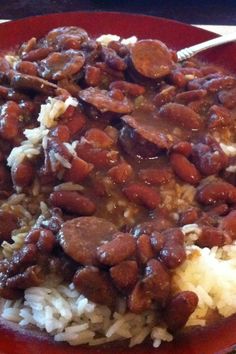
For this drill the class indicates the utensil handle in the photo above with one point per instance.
(191, 51)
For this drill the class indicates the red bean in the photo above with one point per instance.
(46, 241)
(210, 237)
(216, 191)
(111, 58)
(122, 246)
(178, 78)
(32, 276)
(98, 138)
(72, 202)
(183, 148)
(179, 308)
(26, 67)
(23, 173)
(124, 275)
(219, 83)
(121, 172)
(189, 216)
(166, 95)
(228, 224)
(9, 120)
(139, 300)
(96, 285)
(219, 117)
(181, 115)
(228, 98)
(128, 88)
(79, 170)
(157, 241)
(185, 169)
(144, 248)
(8, 223)
(156, 281)
(155, 176)
(37, 54)
(93, 75)
(141, 194)
(173, 252)
(189, 96)
(61, 132)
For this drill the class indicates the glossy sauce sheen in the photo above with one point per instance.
(145, 163)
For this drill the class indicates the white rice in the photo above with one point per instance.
(70, 317)
(105, 39)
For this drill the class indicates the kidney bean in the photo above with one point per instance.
(219, 83)
(122, 246)
(46, 241)
(121, 172)
(10, 294)
(183, 148)
(216, 191)
(221, 209)
(26, 67)
(156, 281)
(5, 177)
(128, 88)
(189, 216)
(79, 170)
(121, 49)
(209, 158)
(141, 194)
(72, 202)
(74, 121)
(93, 75)
(23, 258)
(228, 98)
(124, 275)
(81, 236)
(164, 96)
(100, 158)
(179, 308)
(228, 224)
(32, 236)
(157, 241)
(116, 94)
(9, 120)
(32, 276)
(36, 54)
(155, 176)
(151, 58)
(173, 252)
(184, 169)
(61, 132)
(111, 58)
(189, 96)
(210, 237)
(98, 138)
(219, 117)
(8, 223)
(144, 248)
(148, 227)
(181, 115)
(177, 78)
(23, 173)
(95, 285)
(4, 65)
(139, 300)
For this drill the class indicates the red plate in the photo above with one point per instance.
(216, 339)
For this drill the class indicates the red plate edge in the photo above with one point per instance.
(177, 35)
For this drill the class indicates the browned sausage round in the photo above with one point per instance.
(96, 285)
(117, 250)
(104, 102)
(80, 238)
(151, 58)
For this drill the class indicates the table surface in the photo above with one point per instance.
(190, 11)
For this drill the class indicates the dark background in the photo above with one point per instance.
(189, 11)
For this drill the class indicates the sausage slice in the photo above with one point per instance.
(149, 130)
(80, 238)
(104, 102)
(151, 58)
